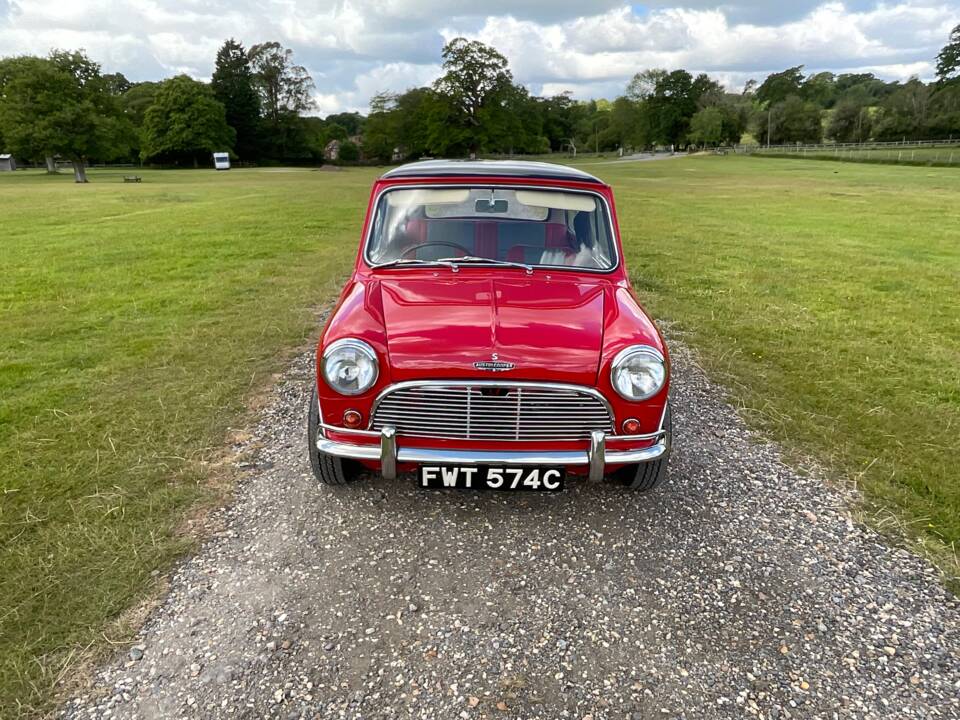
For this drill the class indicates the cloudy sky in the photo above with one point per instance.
(354, 48)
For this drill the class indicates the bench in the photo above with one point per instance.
(131, 178)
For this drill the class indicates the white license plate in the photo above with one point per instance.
(491, 477)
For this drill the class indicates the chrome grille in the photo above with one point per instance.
(493, 411)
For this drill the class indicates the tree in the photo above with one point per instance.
(851, 122)
(820, 89)
(349, 152)
(704, 87)
(134, 104)
(862, 88)
(794, 120)
(185, 123)
(135, 101)
(352, 122)
(285, 90)
(316, 136)
(643, 84)
(415, 111)
(706, 127)
(512, 125)
(233, 85)
(948, 61)
(9, 70)
(626, 127)
(381, 133)
(560, 116)
(671, 106)
(778, 86)
(904, 114)
(116, 83)
(60, 105)
(592, 126)
(474, 85)
(944, 118)
(721, 122)
(335, 131)
(284, 87)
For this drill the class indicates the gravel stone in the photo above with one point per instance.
(742, 589)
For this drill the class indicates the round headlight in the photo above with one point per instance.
(638, 372)
(350, 366)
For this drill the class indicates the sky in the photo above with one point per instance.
(356, 48)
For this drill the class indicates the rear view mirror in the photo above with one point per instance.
(491, 206)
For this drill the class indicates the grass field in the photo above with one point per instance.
(828, 298)
(136, 319)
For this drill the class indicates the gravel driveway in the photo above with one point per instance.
(742, 589)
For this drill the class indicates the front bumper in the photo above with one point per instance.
(389, 453)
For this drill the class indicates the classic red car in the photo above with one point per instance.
(489, 337)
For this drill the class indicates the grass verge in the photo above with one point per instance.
(135, 321)
(827, 297)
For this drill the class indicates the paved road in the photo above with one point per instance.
(742, 589)
(638, 157)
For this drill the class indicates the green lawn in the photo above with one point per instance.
(136, 319)
(827, 297)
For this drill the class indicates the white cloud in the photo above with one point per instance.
(392, 76)
(355, 48)
(589, 53)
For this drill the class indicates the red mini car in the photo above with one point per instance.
(488, 337)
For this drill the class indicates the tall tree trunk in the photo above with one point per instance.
(51, 165)
(79, 171)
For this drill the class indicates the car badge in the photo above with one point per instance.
(494, 364)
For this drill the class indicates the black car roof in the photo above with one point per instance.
(492, 168)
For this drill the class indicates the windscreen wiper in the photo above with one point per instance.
(466, 259)
(399, 262)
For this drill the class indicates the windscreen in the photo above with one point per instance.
(531, 226)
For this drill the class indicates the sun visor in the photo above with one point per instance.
(557, 200)
(426, 196)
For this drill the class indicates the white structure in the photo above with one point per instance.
(221, 161)
(7, 163)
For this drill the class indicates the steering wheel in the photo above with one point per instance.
(440, 243)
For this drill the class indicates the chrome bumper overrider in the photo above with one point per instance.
(389, 453)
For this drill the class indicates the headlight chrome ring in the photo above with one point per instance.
(350, 366)
(638, 372)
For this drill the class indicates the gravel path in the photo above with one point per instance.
(742, 589)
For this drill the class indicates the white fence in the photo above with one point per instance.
(916, 152)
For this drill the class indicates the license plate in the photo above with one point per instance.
(491, 477)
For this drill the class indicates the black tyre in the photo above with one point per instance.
(644, 477)
(328, 469)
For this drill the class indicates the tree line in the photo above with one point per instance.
(476, 107)
(259, 100)
(63, 106)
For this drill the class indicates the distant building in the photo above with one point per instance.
(332, 150)
(7, 163)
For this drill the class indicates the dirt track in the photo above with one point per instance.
(741, 589)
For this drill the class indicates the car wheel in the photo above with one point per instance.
(644, 477)
(328, 469)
